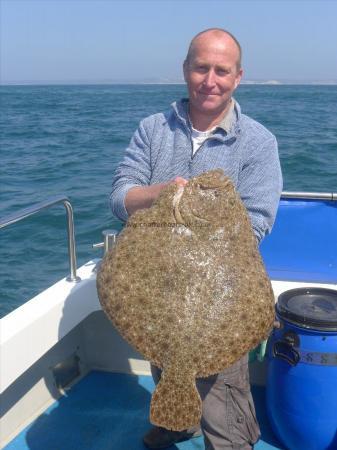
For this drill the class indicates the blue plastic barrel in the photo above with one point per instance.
(302, 370)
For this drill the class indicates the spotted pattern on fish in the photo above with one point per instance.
(185, 285)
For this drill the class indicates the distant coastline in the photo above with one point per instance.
(161, 82)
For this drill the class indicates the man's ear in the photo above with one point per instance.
(185, 70)
(238, 78)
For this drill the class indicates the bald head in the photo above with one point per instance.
(216, 34)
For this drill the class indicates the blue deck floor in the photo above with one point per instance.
(110, 411)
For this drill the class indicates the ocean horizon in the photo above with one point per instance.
(272, 82)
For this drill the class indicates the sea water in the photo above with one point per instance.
(69, 139)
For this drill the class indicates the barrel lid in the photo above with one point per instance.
(314, 308)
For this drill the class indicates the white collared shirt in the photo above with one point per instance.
(199, 137)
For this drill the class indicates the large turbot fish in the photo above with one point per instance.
(186, 287)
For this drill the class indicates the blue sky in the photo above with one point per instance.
(108, 40)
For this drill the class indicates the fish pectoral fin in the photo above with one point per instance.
(176, 403)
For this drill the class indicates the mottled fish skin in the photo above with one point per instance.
(185, 285)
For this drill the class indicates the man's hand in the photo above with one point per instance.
(179, 181)
(140, 197)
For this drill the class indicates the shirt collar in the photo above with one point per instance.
(230, 120)
(227, 121)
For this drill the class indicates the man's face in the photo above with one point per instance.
(211, 74)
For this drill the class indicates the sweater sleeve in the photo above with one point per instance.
(260, 186)
(133, 170)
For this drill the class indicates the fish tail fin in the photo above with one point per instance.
(176, 403)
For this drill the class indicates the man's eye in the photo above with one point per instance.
(222, 72)
(202, 68)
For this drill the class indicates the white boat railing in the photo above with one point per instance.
(332, 196)
(27, 212)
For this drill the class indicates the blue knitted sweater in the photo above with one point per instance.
(161, 149)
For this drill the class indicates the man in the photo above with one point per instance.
(205, 132)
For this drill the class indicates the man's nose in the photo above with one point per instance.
(209, 79)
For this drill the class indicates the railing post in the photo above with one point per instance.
(71, 243)
(26, 212)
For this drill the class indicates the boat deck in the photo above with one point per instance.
(110, 411)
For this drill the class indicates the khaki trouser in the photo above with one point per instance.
(228, 414)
